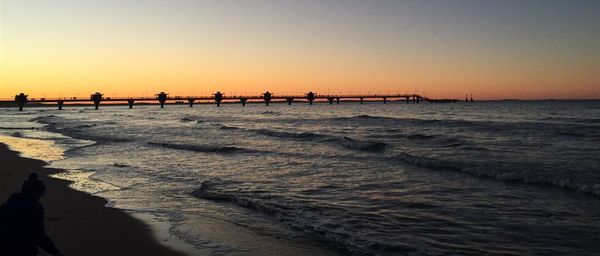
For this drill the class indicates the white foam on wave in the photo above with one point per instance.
(83, 181)
(45, 150)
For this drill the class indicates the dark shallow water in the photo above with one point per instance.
(498, 178)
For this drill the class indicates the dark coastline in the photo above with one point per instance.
(77, 222)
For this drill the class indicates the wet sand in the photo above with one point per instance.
(77, 222)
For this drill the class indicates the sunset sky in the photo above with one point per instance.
(444, 49)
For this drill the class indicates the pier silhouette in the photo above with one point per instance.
(218, 98)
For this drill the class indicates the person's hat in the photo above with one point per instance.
(33, 184)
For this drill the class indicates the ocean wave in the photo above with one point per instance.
(572, 134)
(362, 145)
(474, 148)
(119, 165)
(225, 127)
(299, 217)
(572, 119)
(270, 113)
(204, 148)
(369, 117)
(433, 140)
(99, 138)
(75, 129)
(187, 119)
(430, 163)
(346, 142)
(479, 125)
(530, 173)
(84, 126)
(282, 134)
(17, 128)
(43, 119)
(419, 136)
(591, 135)
(527, 173)
(25, 136)
(78, 134)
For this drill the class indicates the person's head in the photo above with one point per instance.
(33, 186)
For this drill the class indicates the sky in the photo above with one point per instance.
(497, 49)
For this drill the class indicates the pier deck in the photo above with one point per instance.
(97, 98)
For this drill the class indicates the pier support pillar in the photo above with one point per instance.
(267, 97)
(310, 96)
(289, 100)
(191, 101)
(418, 99)
(384, 100)
(407, 99)
(330, 99)
(96, 98)
(337, 100)
(218, 98)
(361, 100)
(243, 100)
(162, 98)
(60, 104)
(21, 99)
(130, 102)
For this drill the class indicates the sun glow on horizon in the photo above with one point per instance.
(443, 49)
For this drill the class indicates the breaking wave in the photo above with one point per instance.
(76, 130)
(522, 172)
(354, 144)
(281, 134)
(17, 128)
(270, 113)
(346, 142)
(225, 127)
(204, 148)
(187, 119)
(342, 236)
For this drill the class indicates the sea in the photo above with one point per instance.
(482, 178)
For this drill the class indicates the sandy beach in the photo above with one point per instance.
(77, 222)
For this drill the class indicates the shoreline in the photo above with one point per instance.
(19, 156)
(77, 222)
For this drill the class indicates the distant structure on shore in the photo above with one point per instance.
(217, 98)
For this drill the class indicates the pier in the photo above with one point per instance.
(218, 98)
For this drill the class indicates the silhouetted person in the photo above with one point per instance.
(22, 221)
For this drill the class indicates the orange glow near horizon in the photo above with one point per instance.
(139, 50)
